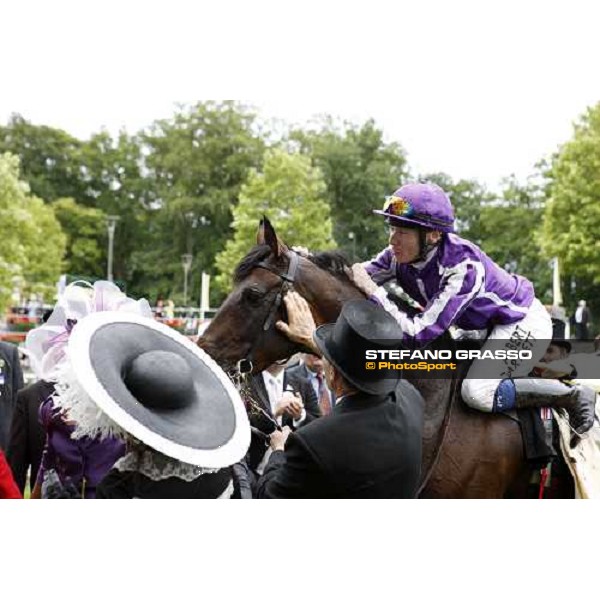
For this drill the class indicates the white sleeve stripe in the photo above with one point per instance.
(499, 302)
(431, 315)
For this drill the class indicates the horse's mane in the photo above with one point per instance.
(332, 261)
(250, 261)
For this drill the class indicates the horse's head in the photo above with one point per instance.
(244, 327)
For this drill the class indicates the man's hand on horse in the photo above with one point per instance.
(301, 325)
(361, 279)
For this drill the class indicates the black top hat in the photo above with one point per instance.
(361, 326)
(157, 386)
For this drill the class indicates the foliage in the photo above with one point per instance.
(197, 162)
(116, 185)
(31, 241)
(511, 234)
(50, 158)
(291, 193)
(359, 171)
(468, 198)
(572, 216)
(85, 228)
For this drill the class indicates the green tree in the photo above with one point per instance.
(291, 193)
(468, 197)
(511, 234)
(85, 229)
(197, 161)
(360, 169)
(117, 184)
(31, 241)
(50, 158)
(572, 216)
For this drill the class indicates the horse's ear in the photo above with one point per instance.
(260, 234)
(270, 238)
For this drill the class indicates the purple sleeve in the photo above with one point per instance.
(382, 268)
(459, 286)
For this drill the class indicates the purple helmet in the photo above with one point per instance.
(422, 204)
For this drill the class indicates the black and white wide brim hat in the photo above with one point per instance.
(128, 375)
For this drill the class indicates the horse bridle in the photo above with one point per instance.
(245, 365)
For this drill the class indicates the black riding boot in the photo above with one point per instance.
(579, 401)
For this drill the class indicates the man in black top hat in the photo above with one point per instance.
(370, 445)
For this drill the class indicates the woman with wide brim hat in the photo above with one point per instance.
(69, 467)
(181, 417)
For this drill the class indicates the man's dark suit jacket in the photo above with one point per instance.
(27, 436)
(368, 447)
(258, 447)
(301, 373)
(11, 381)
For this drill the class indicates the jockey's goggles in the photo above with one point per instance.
(398, 207)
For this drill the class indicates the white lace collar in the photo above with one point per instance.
(156, 466)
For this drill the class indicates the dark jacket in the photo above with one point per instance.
(299, 373)
(369, 447)
(121, 485)
(258, 446)
(27, 436)
(11, 381)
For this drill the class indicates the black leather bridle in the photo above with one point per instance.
(245, 365)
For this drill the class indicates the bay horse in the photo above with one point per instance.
(466, 453)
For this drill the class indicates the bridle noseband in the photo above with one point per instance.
(245, 365)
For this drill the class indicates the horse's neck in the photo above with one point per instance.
(324, 292)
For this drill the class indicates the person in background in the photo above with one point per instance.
(581, 319)
(27, 436)
(282, 401)
(11, 381)
(8, 487)
(311, 370)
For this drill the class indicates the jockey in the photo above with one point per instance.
(458, 284)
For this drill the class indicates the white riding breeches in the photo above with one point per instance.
(533, 332)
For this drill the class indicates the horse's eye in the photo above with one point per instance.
(252, 295)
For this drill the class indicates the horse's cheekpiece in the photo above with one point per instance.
(245, 365)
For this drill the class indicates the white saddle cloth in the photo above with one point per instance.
(583, 460)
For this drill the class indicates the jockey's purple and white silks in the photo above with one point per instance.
(458, 284)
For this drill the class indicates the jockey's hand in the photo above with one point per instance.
(278, 438)
(301, 250)
(361, 279)
(301, 325)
